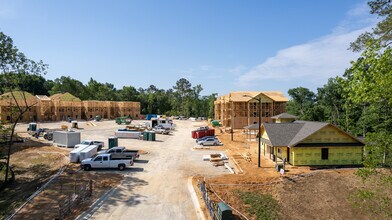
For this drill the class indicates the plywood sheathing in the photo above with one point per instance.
(243, 109)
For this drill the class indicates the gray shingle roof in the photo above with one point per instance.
(281, 134)
(252, 127)
(290, 134)
(284, 115)
(309, 128)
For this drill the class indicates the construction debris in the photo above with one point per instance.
(200, 147)
(220, 163)
(246, 156)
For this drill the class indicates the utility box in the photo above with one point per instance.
(32, 126)
(66, 138)
(223, 211)
(113, 142)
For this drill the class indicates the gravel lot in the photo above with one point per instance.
(156, 186)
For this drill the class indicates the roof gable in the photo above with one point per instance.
(65, 97)
(19, 95)
(291, 134)
(283, 133)
(246, 96)
(330, 134)
(284, 116)
(309, 127)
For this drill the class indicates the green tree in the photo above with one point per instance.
(330, 99)
(67, 84)
(34, 84)
(382, 33)
(100, 91)
(301, 102)
(128, 93)
(182, 91)
(14, 67)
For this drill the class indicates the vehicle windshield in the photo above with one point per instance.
(85, 142)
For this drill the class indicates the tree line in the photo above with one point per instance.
(182, 99)
(360, 102)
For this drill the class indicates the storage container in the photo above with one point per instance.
(66, 138)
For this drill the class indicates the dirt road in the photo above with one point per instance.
(156, 187)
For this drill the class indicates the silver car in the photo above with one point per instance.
(209, 142)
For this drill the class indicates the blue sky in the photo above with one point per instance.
(224, 45)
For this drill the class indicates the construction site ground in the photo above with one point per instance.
(301, 192)
(156, 187)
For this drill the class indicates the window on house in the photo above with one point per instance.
(324, 153)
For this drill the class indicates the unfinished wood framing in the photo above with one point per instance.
(243, 108)
(60, 107)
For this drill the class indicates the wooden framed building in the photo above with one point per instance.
(62, 106)
(240, 109)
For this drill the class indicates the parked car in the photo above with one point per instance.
(203, 138)
(121, 152)
(106, 161)
(37, 133)
(159, 129)
(209, 142)
(202, 128)
(100, 144)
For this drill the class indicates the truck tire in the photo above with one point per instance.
(121, 167)
(87, 167)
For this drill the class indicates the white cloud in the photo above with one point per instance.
(316, 60)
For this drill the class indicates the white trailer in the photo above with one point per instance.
(66, 138)
(128, 134)
(88, 152)
(75, 154)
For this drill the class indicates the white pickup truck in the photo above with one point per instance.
(86, 143)
(159, 129)
(121, 152)
(106, 161)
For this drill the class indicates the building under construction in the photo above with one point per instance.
(60, 107)
(239, 109)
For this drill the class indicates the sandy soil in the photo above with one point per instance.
(156, 188)
(157, 181)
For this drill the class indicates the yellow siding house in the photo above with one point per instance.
(310, 143)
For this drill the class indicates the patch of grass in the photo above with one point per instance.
(261, 205)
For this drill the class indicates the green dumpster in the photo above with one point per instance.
(223, 211)
(113, 142)
(151, 136)
(145, 136)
